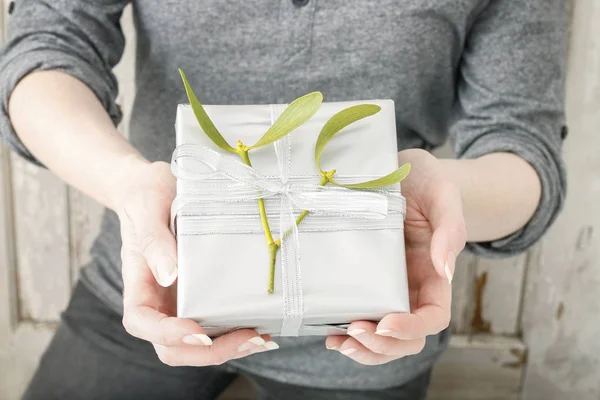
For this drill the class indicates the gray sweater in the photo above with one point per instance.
(486, 74)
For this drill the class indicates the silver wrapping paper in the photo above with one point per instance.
(347, 275)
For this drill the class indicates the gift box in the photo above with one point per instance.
(344, 262)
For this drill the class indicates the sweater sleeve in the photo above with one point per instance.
(82, 38)
(510, 99)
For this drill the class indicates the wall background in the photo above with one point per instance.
(525, 327)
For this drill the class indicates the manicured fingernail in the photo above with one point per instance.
(349, 351)
(383, 332)
(356, 332)
(271, 345)
(251, 343)
(257, 340)
(197, 339)
(332, 348)
(167, 273)
(449, 267)
(361, 335)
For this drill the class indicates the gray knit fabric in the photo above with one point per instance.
(488, 74)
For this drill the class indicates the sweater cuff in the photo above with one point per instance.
(19, 66)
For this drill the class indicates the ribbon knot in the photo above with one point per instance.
(283, 190)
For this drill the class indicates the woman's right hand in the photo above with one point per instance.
(149, 257)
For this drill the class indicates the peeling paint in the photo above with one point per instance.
(478, 324)
(521, 359)
(560, 310)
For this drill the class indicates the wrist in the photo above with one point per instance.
(128, 168)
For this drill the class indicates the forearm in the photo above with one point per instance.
(62, 123)
(500, 192)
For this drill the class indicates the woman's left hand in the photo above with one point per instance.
(434, 235)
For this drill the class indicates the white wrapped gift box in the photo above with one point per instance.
(349, 268)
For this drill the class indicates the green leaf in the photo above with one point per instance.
(338, 122)
(205, 123)
(297, 113)
(397, 176)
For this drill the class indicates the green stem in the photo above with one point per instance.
(243, 152)
(273, 257)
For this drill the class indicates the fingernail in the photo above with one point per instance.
(197, 339)
(332, 348)
(271, 345)
(257, 340)
(361, 335)
(449, 267)
(167, 273)
(250, 343)
(349, 351)
(383, 332)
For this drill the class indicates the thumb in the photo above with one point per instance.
(445, 215)
(155, 241)
(160, 251)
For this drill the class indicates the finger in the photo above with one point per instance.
(429, 319)
(140, 287)
(150, 221)
(445, 214)
(334, 342)
(355, 350)
(237, 344)
(364, 333)
(145, 307)
(151, 325)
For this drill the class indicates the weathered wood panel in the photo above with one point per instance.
(8, 309)
(7, 295)
(462, 293)
(42, 241)
(561, 320)
(19, 357)
(497, 295)
(481, 367)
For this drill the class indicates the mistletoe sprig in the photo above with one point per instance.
(295, 115)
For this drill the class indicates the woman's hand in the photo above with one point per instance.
(149, 257)
(434, 235)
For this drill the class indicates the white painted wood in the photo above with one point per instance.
(42, 241)
(561, 318)
(7, 294)
(500, 297)
(482, 368)
(19, 357)
(8, 297)
(125, 70)
(462, 293)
